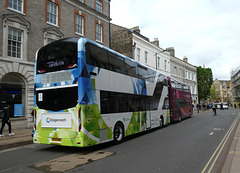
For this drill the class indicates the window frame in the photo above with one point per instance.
(16, 30)
(99, 23)
(139, 54)
(98, 7)
(82, 1)
(146, 56)
(158, 62)
(23, 9)
(58, 16)
(165, 65)
(83, 16)
(17, 22)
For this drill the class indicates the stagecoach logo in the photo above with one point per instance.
(48, 120)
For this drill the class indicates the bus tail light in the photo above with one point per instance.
(41, 71)
(79, 120)
(35, 117)
(171, 111)
(72, 66)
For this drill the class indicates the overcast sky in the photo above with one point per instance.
(206, 31)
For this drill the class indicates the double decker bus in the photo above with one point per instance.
(86, 94)
(180, 100)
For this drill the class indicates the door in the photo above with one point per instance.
(148, 119)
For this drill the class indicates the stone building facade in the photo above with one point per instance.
(133, 44)
(26, 26)
(235, 82)
(136, 46)
(225, 91)
(185, 72)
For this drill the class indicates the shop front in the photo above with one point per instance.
(12, 92)
(17, 91)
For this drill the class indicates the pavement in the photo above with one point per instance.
(21, 137)
(231, 164)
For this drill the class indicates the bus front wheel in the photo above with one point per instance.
(118, 133)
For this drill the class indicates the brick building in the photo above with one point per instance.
(27, 25)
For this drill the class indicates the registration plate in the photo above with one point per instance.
(56, 139)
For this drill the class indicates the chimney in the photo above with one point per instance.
(136, 29)
(171, 51)
(185, 59)
(155, 42)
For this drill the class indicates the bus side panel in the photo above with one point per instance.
(134, 125)
(94, 126)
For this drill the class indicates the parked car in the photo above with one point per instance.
(218, 105)
(225, 106)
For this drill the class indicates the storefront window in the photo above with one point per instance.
(12, 92)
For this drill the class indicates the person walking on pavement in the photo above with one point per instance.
(214, 108)
(6, 120)
(198, 108)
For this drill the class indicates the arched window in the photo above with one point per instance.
(12, 92)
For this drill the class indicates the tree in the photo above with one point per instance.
(214, 93)
(205, 80)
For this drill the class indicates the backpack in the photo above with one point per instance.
(2, 114)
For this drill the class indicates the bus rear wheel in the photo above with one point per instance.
(161, 122)
(118, 133)
(179, 117)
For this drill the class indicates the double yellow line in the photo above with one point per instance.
(218, 151)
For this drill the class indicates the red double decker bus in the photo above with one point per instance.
(180, 100)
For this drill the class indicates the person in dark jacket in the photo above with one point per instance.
(6, 119)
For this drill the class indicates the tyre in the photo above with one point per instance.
(118, 133)
(161, 122)
(179, 117)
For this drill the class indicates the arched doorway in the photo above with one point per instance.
(12, 92)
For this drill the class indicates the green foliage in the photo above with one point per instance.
(205, 80)
(214, 93)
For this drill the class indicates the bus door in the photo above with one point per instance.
(148, 119)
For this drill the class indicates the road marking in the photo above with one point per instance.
(71, 161)
(219, 148)
(10, 149)
(211, 133)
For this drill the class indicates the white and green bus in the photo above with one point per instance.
(87, 94)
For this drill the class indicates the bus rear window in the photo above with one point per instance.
(59, 55)
(57, 99)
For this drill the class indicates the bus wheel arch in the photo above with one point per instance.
(161, 121)
(179, 117)
(118, 132)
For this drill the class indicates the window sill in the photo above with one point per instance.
(52, 24)
(20, 12)
(79, 34)
(100, 42)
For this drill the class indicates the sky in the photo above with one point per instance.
(206, 31)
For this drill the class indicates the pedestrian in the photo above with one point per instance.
(214, 108)
(198, 108)
(6, 120)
